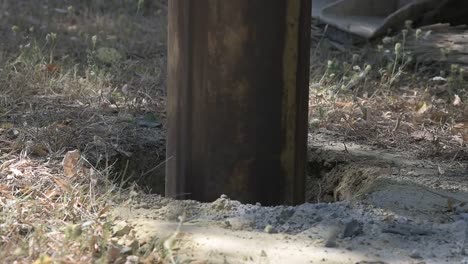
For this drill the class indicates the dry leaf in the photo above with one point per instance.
(52, 68)
(462, 129)
(62, 184)
(4, 188)
(341, 104)
(70, 163)
(5, 191)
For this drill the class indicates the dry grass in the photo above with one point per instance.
(45, 213)
(381, 95)
(75, 75)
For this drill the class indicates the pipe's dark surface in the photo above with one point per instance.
(238, 99)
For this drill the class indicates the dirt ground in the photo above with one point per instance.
(388, 157)
(372, 206)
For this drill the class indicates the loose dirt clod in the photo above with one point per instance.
(352, 228)
(121, 228)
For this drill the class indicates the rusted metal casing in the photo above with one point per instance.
(238, 99)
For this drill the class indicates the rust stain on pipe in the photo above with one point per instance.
(237, 99)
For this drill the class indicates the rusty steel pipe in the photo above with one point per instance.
(238, 74)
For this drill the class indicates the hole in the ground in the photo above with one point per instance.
(320, 187)
(144, 167)
(334, 177)
(325, 182)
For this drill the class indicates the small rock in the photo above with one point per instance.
(87, 224)
(132, 260)
(353, 228)
(263, 253)
(134, 245)
(120, 229)
(331, 244)
(126, 251)
(285, 227)
(270, 229)
(439, 80)
(237, 223)
(415, 254)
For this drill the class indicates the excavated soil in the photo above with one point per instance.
(394, 181)
(366, 205)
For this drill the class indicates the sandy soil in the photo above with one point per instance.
(371, 206)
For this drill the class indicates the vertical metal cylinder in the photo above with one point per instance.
(238, 99)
